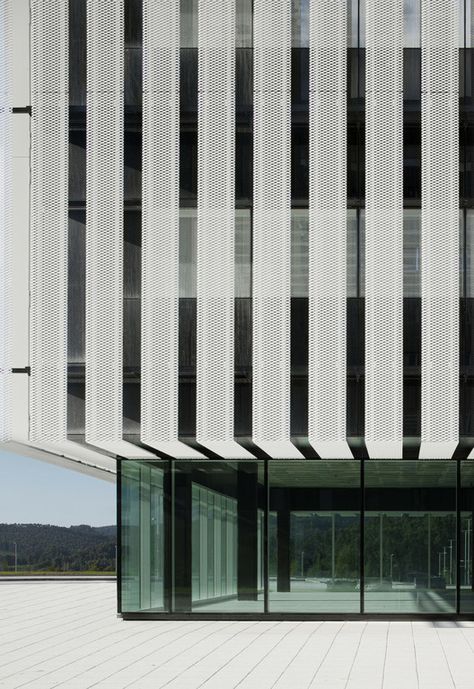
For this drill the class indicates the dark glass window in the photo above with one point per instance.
(466, 550)
(410, 537)
(218, 536)
(314, 524)
(143, 536)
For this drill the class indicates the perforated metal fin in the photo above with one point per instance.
(49, 219)
(384, 229)
(439, 229)
(271, 228)
(160, 225)
(327, 228)
(216, 228)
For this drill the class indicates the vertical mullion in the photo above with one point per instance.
(458, 537)
(104, 224)
(327, 228)
(266, 582)
(272, 228)
(439, 229)
(362, 536)
(118, 557)
(49, 198)
(384, 229)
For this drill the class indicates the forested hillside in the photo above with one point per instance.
(43, 547)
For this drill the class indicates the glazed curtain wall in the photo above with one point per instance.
(297, 537)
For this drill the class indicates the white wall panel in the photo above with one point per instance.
(327, 228)
(216, 228)
(384, 229)
(49, 190)
(439, 229)
(160, 229)
(5, 214)
(15, 215)
(271, 228)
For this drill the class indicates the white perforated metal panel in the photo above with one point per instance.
(384, 229)
(327, 228)
(271, 228)
(216, 227)
(49, 190)
(104, 236)
(439, 229)
(160, 229)
(104, 231)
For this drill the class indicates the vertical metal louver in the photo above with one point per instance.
(104, 227)
(327, 228)
(160, 229)
(439, 229)
(271, 228)
(216, 228)
(49, 190)
(384, 229)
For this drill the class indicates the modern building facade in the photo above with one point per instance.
(238, 273)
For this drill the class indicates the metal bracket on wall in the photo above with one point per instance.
(25, 109)
(25, 369)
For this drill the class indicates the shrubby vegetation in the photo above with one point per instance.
(50, 548)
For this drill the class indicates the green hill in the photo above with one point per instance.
(44, 547)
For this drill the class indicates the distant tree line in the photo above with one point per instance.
(408, 541)
(50, 548)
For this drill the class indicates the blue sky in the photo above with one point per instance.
(32, 491)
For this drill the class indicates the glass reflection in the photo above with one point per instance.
(143, 536)
(313, 536)
(218, 520)
(410, 537)
(466, 549)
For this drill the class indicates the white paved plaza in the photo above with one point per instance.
(66, 634)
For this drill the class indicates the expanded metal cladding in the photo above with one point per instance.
(49, 208)
(215, 225)
(160, 208)
(439, 229)
(384, 228)
(327, 228)
(104, 221)
(235, 351)
(271, 227)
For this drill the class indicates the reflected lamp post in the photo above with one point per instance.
(450, 561)
(468, 552)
